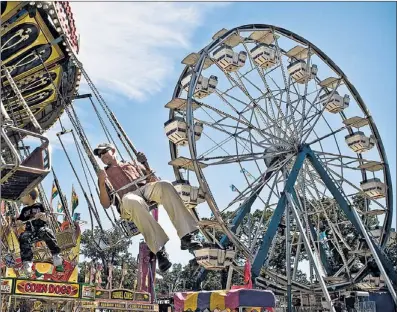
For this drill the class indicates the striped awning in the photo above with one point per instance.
(222, 299)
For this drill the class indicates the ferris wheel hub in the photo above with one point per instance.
(275, 154)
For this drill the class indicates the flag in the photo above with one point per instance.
(247, 277)
(247, 173)
(247, 274)
(54, 191)
(76, 216)
(59, 207)
(233, 188)
(75, 200)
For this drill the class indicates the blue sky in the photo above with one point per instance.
(132, 51)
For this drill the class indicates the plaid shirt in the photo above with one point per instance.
(122, 174)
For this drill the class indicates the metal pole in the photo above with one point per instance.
(375, 255)
(291, 204)
(229, 277)
(296, 262)
(21, 99)
(63, 201)
(288, 257)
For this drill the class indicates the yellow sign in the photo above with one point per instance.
(48, 289)
(88, 292)
(122, 295)
(37, 305)
(6, 286)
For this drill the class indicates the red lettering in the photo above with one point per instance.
(51, 289)
(43, 288)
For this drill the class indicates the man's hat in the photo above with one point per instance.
(102, 147)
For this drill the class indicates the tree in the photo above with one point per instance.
(391, 249)
(117, 253)
(169, 280)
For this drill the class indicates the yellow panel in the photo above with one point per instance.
(42, 97)
(24, 116)
(33, 83)
(217, 300)
(50, 56)
(10, 10)
(191, 301)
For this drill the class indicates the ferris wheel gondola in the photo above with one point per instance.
(273, 125)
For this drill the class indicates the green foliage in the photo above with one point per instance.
(117, 253)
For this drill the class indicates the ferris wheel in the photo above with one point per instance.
(263, 122)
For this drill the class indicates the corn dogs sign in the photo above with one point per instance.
(48, 289)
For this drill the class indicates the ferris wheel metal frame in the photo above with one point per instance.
(303, 151)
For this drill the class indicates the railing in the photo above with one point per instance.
(366, 306)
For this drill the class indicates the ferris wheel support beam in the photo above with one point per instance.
(291, 208)
(323, 255)
(263, 251)
(244, 209)
(384, 265)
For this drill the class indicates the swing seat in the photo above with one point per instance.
(66, 239)
(18, 178)
(129, 228)
(19, 182)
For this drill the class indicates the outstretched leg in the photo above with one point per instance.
(45, 234)
(134, 208)
(25, 245)
(26, 240)
(164, 193)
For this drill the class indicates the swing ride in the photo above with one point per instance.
(259, 106)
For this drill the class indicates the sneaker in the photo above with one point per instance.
(27, 267)
(163, 261)
(57, 260)
(188, 243)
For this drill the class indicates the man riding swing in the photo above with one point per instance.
(131, 201)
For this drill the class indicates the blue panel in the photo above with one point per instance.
(343, 204)
(276, 218)
(384, 301)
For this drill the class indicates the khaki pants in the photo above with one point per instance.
(135, 208)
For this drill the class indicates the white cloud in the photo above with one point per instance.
(130, 47)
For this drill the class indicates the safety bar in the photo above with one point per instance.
(18, 163)
(14, 153)
(135, 182)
